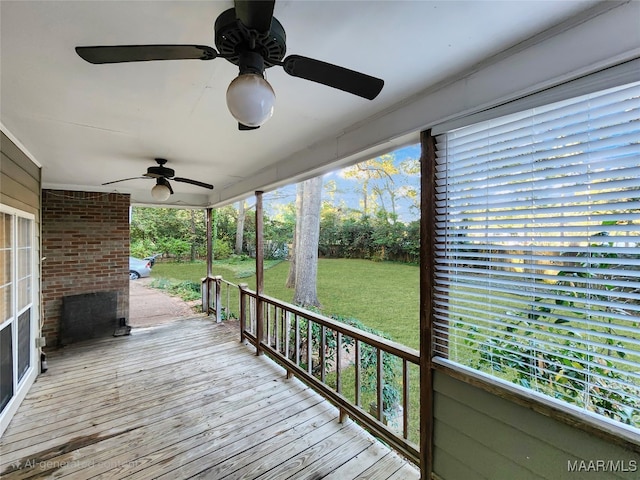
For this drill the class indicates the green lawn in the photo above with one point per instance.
(382, 295)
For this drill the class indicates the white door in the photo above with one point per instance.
(18, 327)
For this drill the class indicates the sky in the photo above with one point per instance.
(349, 190)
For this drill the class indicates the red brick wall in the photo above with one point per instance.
(85, 242)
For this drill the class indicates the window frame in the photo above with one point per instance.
(612, 431)
(21, 379)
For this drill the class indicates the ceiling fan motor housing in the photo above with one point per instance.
(161, 170)
(232, 39)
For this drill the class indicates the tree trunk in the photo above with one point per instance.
(365, 198)
(214, 233)
(193, 236)
(291, 277)
(392, 195)
(307, 246)
(240, 228)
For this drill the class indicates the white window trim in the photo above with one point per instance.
(21, 388)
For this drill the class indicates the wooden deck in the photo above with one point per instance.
(183, 400)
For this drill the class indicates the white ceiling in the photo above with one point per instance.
(88, 124)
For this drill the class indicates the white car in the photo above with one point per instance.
(139, 268)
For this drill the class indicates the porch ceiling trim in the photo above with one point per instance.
(19, 144)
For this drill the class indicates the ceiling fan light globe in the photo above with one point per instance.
(250, 99)
(161, 193)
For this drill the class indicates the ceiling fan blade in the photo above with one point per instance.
(255, 14)
(193, 182)
(151, 175)
(242, 127)
(333, 76)
(125, 179)
(144, 53)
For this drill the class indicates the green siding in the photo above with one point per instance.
(19, 179)
(480, 435)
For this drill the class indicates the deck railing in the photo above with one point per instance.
(327, 354)
(220, 298)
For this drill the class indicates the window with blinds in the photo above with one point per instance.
(538, 250)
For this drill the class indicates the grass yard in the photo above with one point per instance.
(382, 295)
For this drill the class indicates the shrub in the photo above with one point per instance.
(141, 248)
(368, 359)
(221, 250)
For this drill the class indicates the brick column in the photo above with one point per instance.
(85, 242)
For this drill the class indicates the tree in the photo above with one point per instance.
(240, 228)
(173, 232)
(226, 221)
(306, 243)
(410, 167)
(377, 172)
(194, 236)
(291, 278)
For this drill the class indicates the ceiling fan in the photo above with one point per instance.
(162, 189)
(250, 37)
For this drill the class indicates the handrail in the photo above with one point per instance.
(304, 353)
(212, 302)
(377, 341)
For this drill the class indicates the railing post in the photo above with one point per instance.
(212, 295)
(209, 220)
(259, 273)
(243, 311)
(259, 324)
(427, 276)
(207, 297)
(344, 416)
(204, 290)
(218, 296)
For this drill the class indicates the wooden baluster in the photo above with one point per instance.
(253, 304)
(243, 311)
(338, 362)
(380, 384)
(217, 280)
(357, 372)
(267, 321)
(297, 338)
(283, 337)
(277, 327)
(405, 399)
(287, 333)
(323, 345)
(309, 346)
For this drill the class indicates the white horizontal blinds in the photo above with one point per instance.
(538, 255)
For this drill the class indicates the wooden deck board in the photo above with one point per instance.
(185, 400)
(72, 413)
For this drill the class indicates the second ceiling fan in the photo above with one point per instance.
(250, 37)
(161, 174)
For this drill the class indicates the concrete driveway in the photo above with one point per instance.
(149, 306)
